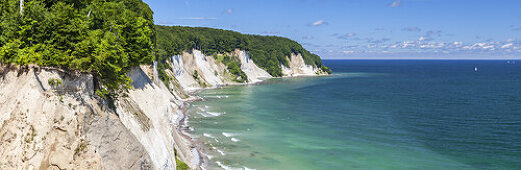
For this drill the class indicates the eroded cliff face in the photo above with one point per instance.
(61, 127)
(66, 127)
(297, 67)
(150, 112)
(212, 73)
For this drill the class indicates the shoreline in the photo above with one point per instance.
(198, 149)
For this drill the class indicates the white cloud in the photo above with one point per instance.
(346, 36)
(396, 3)
(507, 45)
(229, 11)
(407, 44)
(480, 46)
(318, 23)
(457, 43)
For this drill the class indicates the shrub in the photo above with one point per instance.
(195, 75)
(326, 69)
(180, 165)
(54, 83)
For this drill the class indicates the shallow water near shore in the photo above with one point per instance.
(369, 115)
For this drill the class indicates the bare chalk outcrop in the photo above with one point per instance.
(61, 126)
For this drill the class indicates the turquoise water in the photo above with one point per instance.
(369, 115)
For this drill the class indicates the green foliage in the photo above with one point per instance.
(326, 69)
(102, 37)
(195, 75)
(82, 145)
(54, 83)
(234, 67)
(180, 165)
(29, 137)
(268, 52)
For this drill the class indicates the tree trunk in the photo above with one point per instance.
(88, 15)
(95, 81)
(22, 7)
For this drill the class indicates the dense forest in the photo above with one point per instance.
(268, 52)
(102, 37)
(107, 37)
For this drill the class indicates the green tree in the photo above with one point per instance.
(102, 37)
(269, 52)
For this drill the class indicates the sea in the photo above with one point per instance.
(369, 114)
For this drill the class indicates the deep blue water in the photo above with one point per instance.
(372, 114)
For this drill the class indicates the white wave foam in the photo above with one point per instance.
(231, 168)
(218, 96)
(209, 135)
(203, 114)
(235, 140)
(229, 134)
(221, 152)
(190, 135)
(207, 114)
(209, 157)
(210, 114)
(223, 166)
(215, 114)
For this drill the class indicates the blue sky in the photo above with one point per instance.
(365, 29)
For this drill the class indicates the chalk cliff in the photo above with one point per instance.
(50, 119)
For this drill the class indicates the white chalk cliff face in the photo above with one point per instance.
(297, 67)
(254, 73)
(64, 127)
(67, 127)
(211, 73)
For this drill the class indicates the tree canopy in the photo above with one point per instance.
(103, 37)
(108, 37)
(266, 51)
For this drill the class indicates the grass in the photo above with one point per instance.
(181, 165)
(81, 146)
(30, 136)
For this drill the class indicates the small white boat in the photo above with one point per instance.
(475, 69)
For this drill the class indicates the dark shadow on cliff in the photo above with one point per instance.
(38, 79)
(139, 78)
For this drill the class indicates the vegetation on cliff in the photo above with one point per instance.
(268, 52)
(108, 37)
(102, 37)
